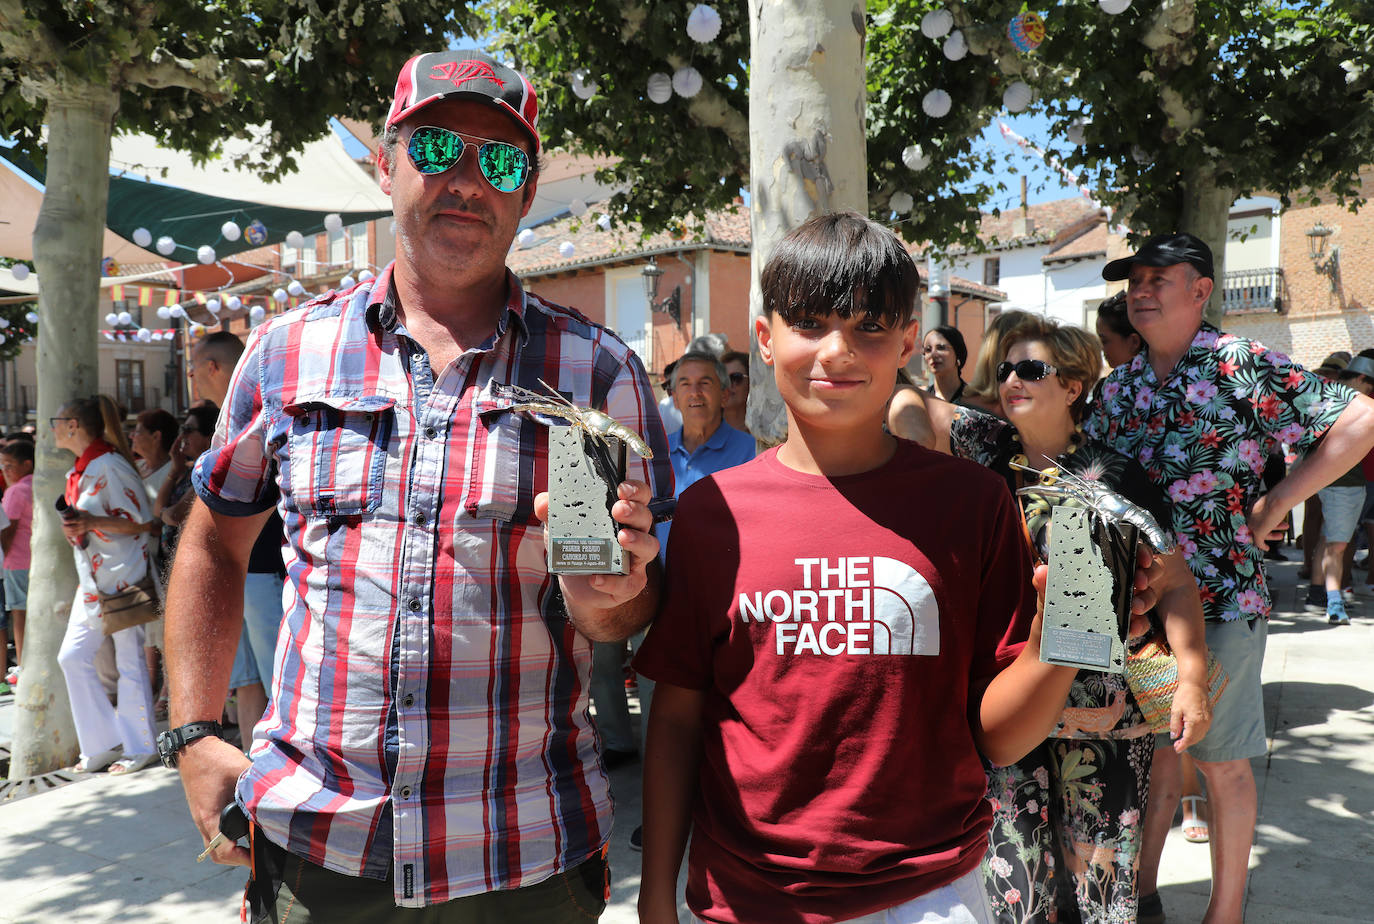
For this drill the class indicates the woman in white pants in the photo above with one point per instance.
(107, 530)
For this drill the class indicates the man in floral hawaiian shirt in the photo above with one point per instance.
(1200, 410)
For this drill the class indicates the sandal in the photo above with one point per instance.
(1194, 830)
(1150, 909)
(94, 763)
(131, 764)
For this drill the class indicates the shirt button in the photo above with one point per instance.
(405, 792)
(431, 433)
(409, 700)
(418, 519)
(414, 604)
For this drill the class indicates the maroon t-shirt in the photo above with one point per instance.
(842, 630)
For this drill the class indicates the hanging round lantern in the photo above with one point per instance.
(233, 303)
(4, 323)
(143, 237)
(257, 314)
(125, 319)
(1077, 131)
(145, 335)
(347, 282)
(20, 272)
(164, 312)
(703, 24)
(525, 238)
(687, 82)
(177, 311)
(915, 158)
(255, 233)
(901, 202)
(956, 46)
(205, 253)
(936, 104)
(578, 207)
(604, 222)
(1114, 7)
(583, 86)
(212, 305)
(366, 276)
(31, 317)
(333, 222)
(659, 87)
(230, 231)
(295, 239)
(937, 23)
(108, 267)
(166, 245)
(295, 288)
(1026, 31)
(278, 295)
(1017, 96)
(112, 319)
(566, 250)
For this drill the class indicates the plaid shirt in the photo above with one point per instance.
(429, 711)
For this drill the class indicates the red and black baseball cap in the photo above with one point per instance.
(465, 74)
(1164, 250)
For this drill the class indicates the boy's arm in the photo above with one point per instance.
(1019, 707)
(671, 760)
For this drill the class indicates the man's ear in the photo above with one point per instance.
(384, 170)
(763, 332)
(1203, 288)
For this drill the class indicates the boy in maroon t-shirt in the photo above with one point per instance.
(843, 634)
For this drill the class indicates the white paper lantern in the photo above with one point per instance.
(295, 288)
(687, 82)
(164, 312)
(233, 303)
(143, 237)
(525, 237)
(347, 282)
(4, 323)
(915, 158)
(703, 23)
(937, 23)
(578, 207)
(112, 319)
(936, 104)
(230, 231)
(366, 276)
(31, 317)
(205, 253)
(124, 318)
(583, 86)
(278, 295)
(604, 222)
(166, 245)
(145, 335)
(333, 222)
(566, 250)
(660, 87)
(1114, 7)
(257, 313)
(1077, 131)
(295, 239)
(178, 311)
(212, 305)
(901, 202)
(1017, 96)
(20, 271)
(956, 46)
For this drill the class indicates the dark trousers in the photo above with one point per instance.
(288, 890)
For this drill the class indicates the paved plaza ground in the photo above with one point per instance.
(111, 849)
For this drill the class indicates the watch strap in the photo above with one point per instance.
(171, 742)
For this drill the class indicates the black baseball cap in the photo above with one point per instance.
(1164, 250)
(465, 74)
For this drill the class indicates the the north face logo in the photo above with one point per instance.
(460, 72)
(870, 606)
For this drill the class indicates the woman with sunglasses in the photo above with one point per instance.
(1067, 818)
(106, 523)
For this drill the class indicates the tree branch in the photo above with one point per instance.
(27, 40)
(163, 69)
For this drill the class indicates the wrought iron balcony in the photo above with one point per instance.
(1254, 290)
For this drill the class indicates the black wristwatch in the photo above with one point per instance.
(170, 742)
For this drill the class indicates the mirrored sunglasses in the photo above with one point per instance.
(1027, 370)
(434, 150)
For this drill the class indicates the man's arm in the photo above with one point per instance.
(612, 607)
(1181, 609)
(1344, 445)
(671, 759)
(204, 618)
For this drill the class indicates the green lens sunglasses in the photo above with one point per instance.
(434, 150)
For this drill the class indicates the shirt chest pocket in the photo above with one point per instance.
(501, 470)
(337, 449)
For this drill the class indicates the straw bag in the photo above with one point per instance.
(1152, 675)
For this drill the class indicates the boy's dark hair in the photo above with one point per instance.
(840, 262)
(1112, 311)
(21, 450)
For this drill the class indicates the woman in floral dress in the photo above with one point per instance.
(1067, 817)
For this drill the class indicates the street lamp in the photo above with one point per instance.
(651, 272)
(1327, 264)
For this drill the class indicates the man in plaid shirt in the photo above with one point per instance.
(428, 740)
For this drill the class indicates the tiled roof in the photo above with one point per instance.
(1090, 241)
(1049, 220)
